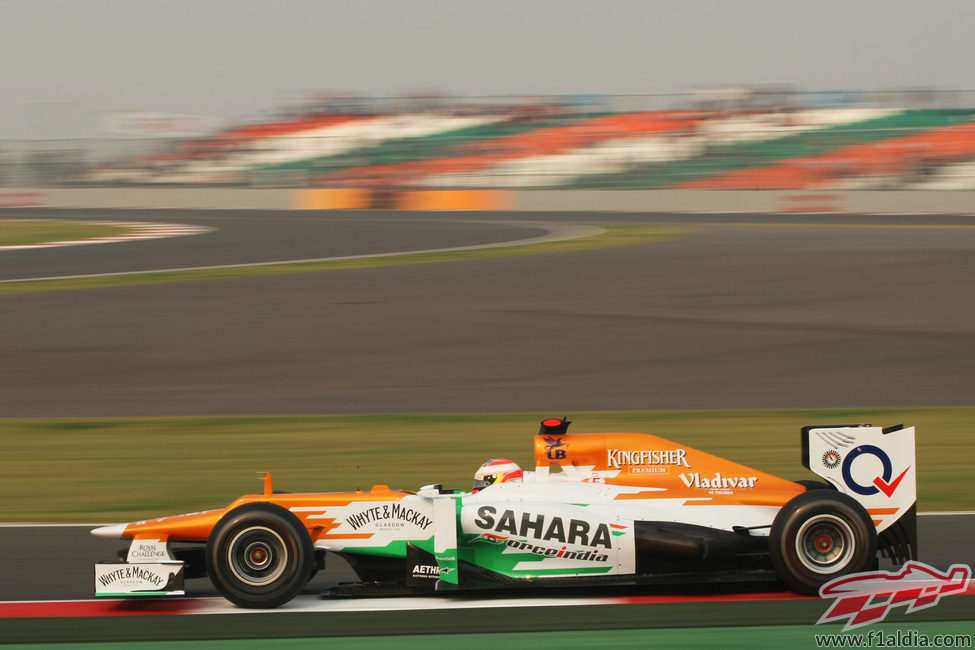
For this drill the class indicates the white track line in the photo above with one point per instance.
(142, 230)
(556, 233)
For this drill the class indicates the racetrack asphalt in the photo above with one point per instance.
(55, 562)
(248, 237)
(741, 311)
(745, 311)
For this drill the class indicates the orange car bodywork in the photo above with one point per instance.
(669, 470)
(672, 470)
(197, 526)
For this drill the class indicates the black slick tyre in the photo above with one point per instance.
(259, 556)
(818, 536)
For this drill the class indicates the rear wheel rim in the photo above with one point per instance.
(257, 556)
(825, 544)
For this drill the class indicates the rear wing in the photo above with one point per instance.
(877, 467)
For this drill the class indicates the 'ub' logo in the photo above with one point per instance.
(554, 447)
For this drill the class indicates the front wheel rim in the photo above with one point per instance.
(825, 544)
(257, 556)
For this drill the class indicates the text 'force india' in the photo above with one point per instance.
(600, 508)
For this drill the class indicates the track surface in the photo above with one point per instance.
(55, 562)
(778, 314)
(771, 314)
(249, 237)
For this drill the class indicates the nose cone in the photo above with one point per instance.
(110, 532)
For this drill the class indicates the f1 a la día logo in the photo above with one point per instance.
(574, 531)
(718, 482)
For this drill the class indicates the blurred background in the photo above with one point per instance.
(190, 105)
(715, 137)
(543, 94)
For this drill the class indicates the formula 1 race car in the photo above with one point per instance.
(599, 509)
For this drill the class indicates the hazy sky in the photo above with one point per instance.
(232, 58)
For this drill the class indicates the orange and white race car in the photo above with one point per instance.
(599, 508)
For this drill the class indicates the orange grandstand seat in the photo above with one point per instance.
(477, 156)
(880, 158)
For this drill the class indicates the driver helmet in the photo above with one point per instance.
(496, 470)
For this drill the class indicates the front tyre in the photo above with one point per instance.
(818, 536)
(259, 555)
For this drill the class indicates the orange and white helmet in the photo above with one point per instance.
(496, 470)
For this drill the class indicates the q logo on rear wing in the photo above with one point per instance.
(874, 465)
(881, 483)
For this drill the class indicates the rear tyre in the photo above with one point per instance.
(818, 536)
(259, 555)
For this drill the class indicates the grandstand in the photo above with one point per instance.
(449, 141)
(550, 145)
(885, 153)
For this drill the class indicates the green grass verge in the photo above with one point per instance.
(22, 232)
(773, 624)
(123, 469)
(614, 236)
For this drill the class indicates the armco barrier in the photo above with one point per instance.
(745, 201)
(668, 201)
(21, 199)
